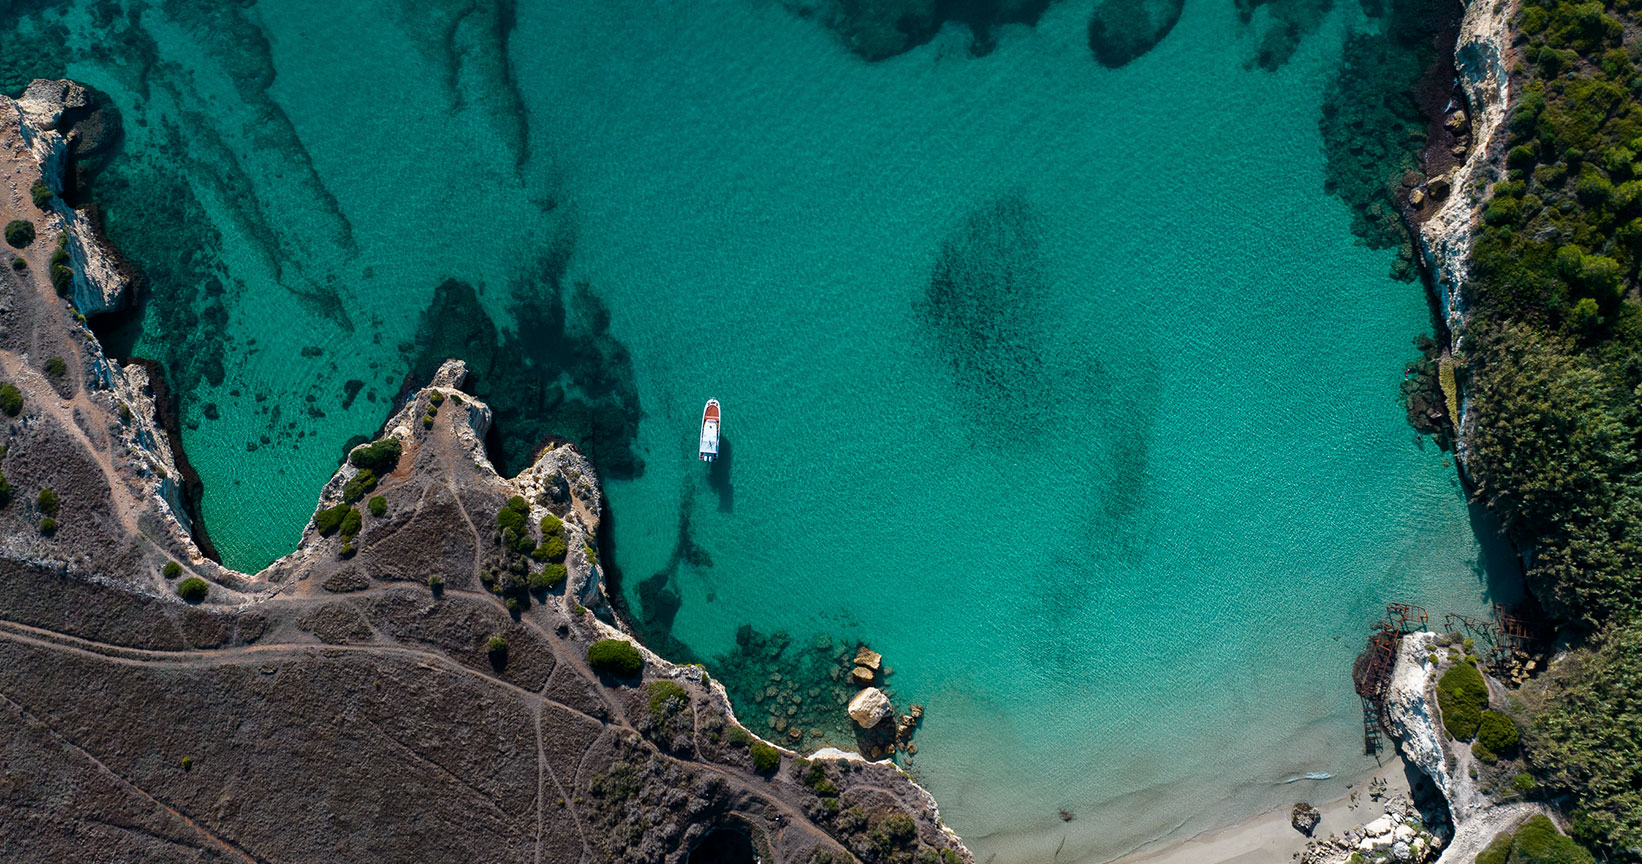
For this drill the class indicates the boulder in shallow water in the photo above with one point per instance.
(868, 658)
(1305, 818)
(861, 675)
(869, 708)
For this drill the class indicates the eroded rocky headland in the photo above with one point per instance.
(433, 674)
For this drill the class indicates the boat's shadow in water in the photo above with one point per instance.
(718, 476)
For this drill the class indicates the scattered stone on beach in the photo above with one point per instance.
(1305, 818)
(868, 658)
(870, 707)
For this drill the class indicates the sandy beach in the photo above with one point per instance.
(1269, 838)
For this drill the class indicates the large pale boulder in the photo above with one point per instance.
(870, 707)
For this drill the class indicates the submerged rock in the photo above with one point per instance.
(1122, 30)
(870, 707)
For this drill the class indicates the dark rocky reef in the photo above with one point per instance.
(880, 29)
(1122, 30)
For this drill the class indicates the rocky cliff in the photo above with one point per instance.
(1482, 55)
(414, 682)
(1415, 722)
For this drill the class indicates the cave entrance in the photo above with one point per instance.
(723, 846)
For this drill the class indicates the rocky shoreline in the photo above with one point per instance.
(1482, 57)
(445, 589)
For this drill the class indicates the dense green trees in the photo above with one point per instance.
(1554, 346)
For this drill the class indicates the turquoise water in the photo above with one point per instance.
(1066, 387)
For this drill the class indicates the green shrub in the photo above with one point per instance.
(765, 758)
(379, 457)
(548, 578)
(48, 501)
(1497, 733)
(738, 736)
(351, 523)
(616, 657)
(11, 399)
(48, 526)
(1483, 754)
(513, 606)
(816, 779)
(427, 422)
(1498, 851)
(19, 233)
(5, 491)
(358, 485)
(436, 397)
(193, 589)
(1538, 842)
(661, 692)
(187, 763)
(592, 555)
(41, 193)
(62, 279)
(330, 519)
(497, 645)
(171, 570)
(1524, 783)
(436, 582)
(19, 264)
(512, 516)
(379, 506)
(1461, 695)
(56, 368)
(551, 525)
(551, 549)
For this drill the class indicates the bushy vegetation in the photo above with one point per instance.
(512, 515)
(379, 506)
(496, 645)
(765, 758)
(193, 589)
(1538, 842)
(41, 193)
(358, 485)
(48, 526)
(378, 457)
(11, 399)
(662, 699)
(330, 519)
(6, 491)
(48, 502)
(19, 234)
(1588, 740)
(1498, 851)
(56, 367)
(1497, 733)
(616, 657)
(171, 570)
(548, 578)
(1462, 694)
(62, 275)
(1554, 345)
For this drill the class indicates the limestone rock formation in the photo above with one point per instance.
(1481, 56)
(870, 707)
(45, 118)
(1304, 818)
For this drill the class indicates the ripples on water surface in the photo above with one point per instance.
(1068, 388)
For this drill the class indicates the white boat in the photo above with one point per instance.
(709, 431)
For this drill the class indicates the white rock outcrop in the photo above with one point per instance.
(870, 707)
(1482, 59)
(99, 284)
